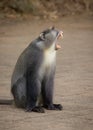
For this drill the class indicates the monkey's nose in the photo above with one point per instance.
(60, 34)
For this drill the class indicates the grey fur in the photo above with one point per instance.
(33, 76)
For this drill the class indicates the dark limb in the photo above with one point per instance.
(33, 92)
(47, 90)
(19, 92)
(54, 107)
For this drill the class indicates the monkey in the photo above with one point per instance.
(32, 82)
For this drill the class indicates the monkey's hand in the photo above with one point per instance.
(54, 107)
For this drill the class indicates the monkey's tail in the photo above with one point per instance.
(6, 101)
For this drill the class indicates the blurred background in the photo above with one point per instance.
(52, 9)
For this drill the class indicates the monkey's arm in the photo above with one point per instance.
(47, 90)
(48, 94)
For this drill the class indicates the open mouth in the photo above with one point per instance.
(60, 35)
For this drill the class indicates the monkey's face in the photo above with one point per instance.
(50, 37)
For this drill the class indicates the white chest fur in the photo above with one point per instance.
(49, 58)
(48, 62)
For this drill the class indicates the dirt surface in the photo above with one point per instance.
(73, 81)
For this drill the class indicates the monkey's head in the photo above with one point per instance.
(49, 38)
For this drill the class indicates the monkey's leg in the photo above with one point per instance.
(48, 94)
(19, 92)
(33, 92)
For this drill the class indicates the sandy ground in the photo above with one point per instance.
(73, 81)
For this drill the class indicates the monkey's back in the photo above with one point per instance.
(23, 63)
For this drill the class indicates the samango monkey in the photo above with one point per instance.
(32, 81)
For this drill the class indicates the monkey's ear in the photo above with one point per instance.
(52, 28)
(42, 36)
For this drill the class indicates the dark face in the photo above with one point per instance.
(50, 37)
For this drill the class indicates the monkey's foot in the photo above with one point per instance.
(54, 107)
(38, 109)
